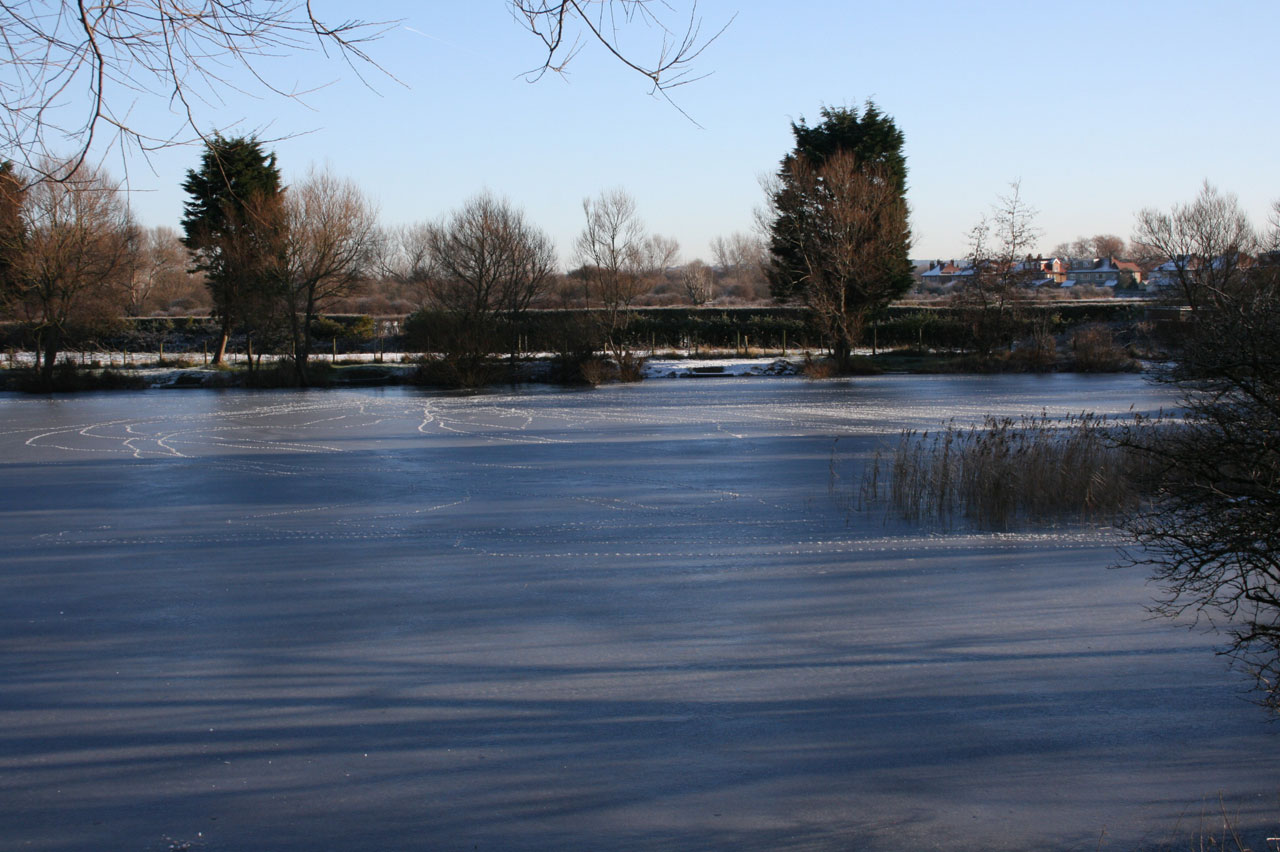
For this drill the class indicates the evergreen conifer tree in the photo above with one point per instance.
(839, 235)
(233, 225)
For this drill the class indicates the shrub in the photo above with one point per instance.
(824, 368)
(1039, 354)
(595, 371)
(1094, 350)
(283, 374)
(324, 328)
(628, 367)
(457, 372)
(67, 377)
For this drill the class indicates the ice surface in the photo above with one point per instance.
(627, 618)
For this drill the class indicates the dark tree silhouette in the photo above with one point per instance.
(233, 223)
(838, 223)
(1211, 537)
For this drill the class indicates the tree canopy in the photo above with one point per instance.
(870, 135)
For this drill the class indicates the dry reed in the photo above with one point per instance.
(1006, 473)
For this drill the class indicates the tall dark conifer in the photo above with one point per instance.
(802, 258)
(233, 225)
(12, 230)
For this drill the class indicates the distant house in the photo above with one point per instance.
(1103, 272)
(1164, 276)
(942, 274)
(1133, 270)
(1042, 272)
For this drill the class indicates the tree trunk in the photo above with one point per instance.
(51, 346)
(220, 352)
(300, 358)
(302, 344)
(842, 351)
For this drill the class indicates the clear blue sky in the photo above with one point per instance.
(1098, 108)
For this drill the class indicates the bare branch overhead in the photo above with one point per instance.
(566, 27)
(74, 73)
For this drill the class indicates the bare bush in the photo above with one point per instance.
(1095, 350)
(596, 371)
(599, 371)
(822, 368)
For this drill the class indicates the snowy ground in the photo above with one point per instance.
(627, 618)
(688, 367)
(683, 366)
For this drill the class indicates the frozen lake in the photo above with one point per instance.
(627, 618)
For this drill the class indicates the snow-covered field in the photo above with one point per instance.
(627, 618)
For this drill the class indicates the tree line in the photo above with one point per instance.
(273, 257)
(267, 259)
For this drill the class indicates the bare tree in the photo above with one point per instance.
(1206, 242)
(740, 263)
(992, 299)
(611, 248)
(1099, 245)
(658, 254)
(852, 228)
(698, 282)
(739, 252)
(1211, 535)
(77, 71)
(488, 264)
(405, 253)
(1108, 245)
(160, 272)
(330, 245)
(75, 259)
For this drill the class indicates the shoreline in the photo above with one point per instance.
(145, 371)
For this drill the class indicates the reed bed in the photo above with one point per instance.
(1007, 472)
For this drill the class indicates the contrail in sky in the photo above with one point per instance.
(425, 35)
(455, 46)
